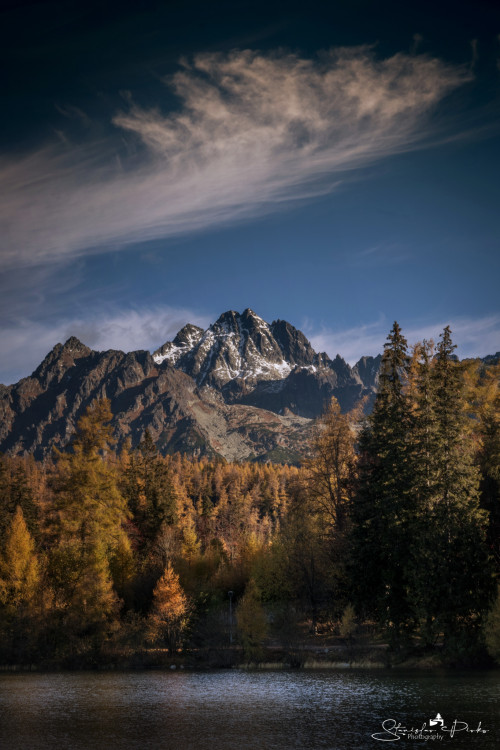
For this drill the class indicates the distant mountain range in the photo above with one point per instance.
(243, 389)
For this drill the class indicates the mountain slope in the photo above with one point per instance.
(241, 389)
(269, 366)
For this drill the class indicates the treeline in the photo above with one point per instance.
(395, 521)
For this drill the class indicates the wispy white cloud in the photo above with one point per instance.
(475, 337)
(25, 343)
(252, 132)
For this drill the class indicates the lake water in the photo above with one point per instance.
(226, 710)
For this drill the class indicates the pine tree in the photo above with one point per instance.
(451, 579)
(382, 509)
(150, 490)
(307, 557)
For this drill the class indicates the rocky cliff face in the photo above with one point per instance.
(242, 389)
(270, 366)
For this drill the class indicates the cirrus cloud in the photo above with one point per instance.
(252, 132)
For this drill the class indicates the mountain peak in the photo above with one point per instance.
(184, 341)
(295, 347)
(212, 390)
(189, 335)
(75, 345)
(228, 319)
(241, 352)
(249, 314)
(61, 358)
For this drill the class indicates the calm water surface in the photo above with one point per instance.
(232, 709)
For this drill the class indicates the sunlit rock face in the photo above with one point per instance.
(242, 389)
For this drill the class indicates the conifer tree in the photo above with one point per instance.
(20, 593)
(123, 569)
(150, 490)
(307, 559)
(382, 509)
(330, 481)
(331, 472)
(451, 575)
(170, 611)
(91, 512)
(19, 567)
(90, 505)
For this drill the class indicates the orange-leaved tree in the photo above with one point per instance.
(170, 612)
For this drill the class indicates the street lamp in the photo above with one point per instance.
(230, 595)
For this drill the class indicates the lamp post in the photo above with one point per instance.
(230, 595)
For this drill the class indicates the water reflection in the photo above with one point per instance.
(238, 710)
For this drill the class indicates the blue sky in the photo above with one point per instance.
(331, 164)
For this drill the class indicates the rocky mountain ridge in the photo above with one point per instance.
(271, 366)
(242, 389)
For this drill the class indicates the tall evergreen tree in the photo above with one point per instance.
(150, 490)
(382, 509)
(451, 575)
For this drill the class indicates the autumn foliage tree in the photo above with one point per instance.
(331, 471)
(330, 482)
(170, 612)
(20, 595)
(89, 512)
(105, 551)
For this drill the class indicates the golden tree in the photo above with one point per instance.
(20, 590)
(170, 612)
(331, 471)
(19, 567)
(90, 512)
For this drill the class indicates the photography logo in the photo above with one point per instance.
(435, 729)
(437, 721)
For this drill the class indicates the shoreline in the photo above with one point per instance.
(431, 663)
